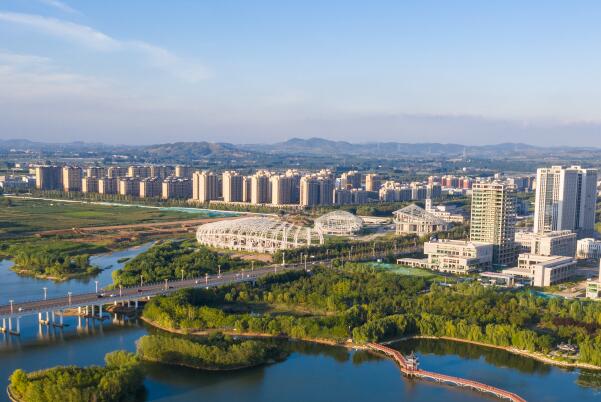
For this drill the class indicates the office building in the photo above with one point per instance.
(415, 220)
(205, 186)
(232, 187)
(453, 256)
(543, 270)
(552, 243)
(48, 177)
(588, 249)
(108, 185)
(565, 200)
(493, 219)
(176, 188)
(151, 187)
(593, 287)
(71, 178)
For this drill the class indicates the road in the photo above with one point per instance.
(138, 292)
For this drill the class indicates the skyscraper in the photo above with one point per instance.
(281, 189)
(260, 188)
(565, 200)
(493, 219)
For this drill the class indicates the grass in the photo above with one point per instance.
(407, 271)
(26, 217)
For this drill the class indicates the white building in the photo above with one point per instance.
(588, 248)
(454, 256)
(593, 288)
(415, 220)
(543, 270)
(565, 200)
(561, 242)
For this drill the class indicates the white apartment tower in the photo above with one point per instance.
(233, 185)
(565, 200)
(205, 186)
(493, 219)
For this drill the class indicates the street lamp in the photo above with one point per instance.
(11, 306)
(45, 292)
(96, 282)
(219, 271)
(120, 290)
(165, 284)
(206, 278)
(182, 274)
(141, 280)
(69, 294)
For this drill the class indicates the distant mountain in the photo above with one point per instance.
(193, 150)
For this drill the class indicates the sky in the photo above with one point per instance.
(144, 71)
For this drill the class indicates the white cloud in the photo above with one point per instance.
(59, 5)
(88, 37)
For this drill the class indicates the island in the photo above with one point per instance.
(120, 380)
(217, 352)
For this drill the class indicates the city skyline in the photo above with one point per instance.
(415, 72)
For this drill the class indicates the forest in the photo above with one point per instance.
(120, 380)
(217, 352)
(367, 304)
(169, 259)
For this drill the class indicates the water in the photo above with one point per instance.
(311, 372)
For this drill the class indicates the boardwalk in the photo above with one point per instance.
(410, 371)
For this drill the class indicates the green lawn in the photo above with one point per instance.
(26, 217)
(407, 271)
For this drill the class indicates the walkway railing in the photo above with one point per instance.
(409, 371)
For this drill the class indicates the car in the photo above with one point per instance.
(140, 290)
(21, 309)
(100, 296)
(112, 295)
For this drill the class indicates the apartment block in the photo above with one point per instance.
(205, 186)
(72, 178)
(232, 186)
(151, 187)
(108, 185)
(493, 219)
(177, 187)
(48, 177)
(89, 184)
(129, 186)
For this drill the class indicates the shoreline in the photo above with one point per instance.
(24, 272)
(321, 341)
(532, 355)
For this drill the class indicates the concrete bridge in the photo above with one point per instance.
(409, 367)
(52, 310)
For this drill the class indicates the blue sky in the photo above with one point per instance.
(472, 72)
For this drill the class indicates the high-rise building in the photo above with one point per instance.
(108, 185)
(373, 182)
(129, 186)
(48, 177)
(116, 171)
(295, 176)
(151, 187)
(350, 180)
(177, 187)
(138, 171)
(205, 186)
(89, 184)
(493, 219)
(246, 188)
(309, 191)
(282, 188)
(233, 186)
(161, 171)
(565, 200)
(72, 178)
(184, 171)
(94, 171)
(326, 191)
(260, 192)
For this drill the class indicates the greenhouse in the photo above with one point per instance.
(339, 223)
(259, 234)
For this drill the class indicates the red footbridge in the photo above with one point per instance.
(409, 367)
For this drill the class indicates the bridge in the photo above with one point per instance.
(51, 311)
(409, 368)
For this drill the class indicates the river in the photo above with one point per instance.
(311, 372)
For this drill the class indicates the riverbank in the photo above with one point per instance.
(533, 355)
(62, 278)
(322, 341)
